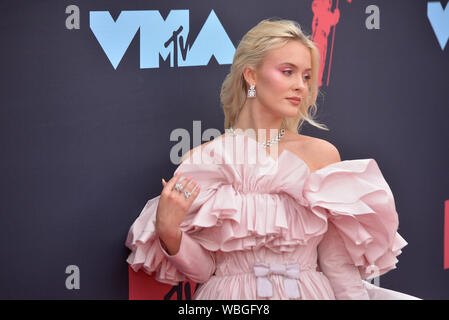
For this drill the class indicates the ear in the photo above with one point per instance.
(249, 75)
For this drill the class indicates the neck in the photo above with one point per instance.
(265, 126)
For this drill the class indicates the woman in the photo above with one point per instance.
(297, 224)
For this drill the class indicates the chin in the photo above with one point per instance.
(291, 112)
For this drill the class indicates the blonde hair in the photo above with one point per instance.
(269, 34)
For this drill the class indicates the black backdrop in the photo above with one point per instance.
(84, 145)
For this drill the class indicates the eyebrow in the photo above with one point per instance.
(293, 65)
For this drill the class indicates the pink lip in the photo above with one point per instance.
(294, 100)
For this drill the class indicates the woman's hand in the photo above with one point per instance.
(173, 205)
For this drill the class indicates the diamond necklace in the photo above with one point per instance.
(269, 143)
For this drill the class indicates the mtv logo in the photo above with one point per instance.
(161, 37)
(439, 19)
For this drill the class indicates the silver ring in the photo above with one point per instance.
(187, 194)
(178, 187)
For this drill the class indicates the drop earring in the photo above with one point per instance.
(251, 91)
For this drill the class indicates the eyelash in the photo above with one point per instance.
(308, 77)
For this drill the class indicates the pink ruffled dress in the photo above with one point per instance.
(276, 230)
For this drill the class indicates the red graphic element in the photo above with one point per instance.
(144, 287)
(323, 20)
(446, 234)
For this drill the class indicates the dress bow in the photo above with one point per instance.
(289, 271)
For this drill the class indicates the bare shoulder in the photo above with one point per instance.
(316, 152)
(325, 152)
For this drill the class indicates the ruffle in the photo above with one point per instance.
(239, 207)
(354, 195)
(244, 207)
(146, 253)
(278, 206)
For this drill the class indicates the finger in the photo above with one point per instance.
(186, 182)
(174, 179)
(171, 183)
(194, 193)
(190, 186)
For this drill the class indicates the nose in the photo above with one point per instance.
(300, 84)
